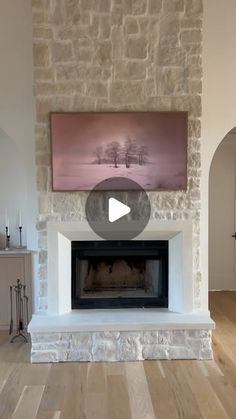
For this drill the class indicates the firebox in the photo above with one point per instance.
(116, 274)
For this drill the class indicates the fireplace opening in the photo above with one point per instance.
(113, 274)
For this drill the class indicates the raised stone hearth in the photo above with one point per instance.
(121, 345)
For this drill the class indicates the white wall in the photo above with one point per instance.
(222, 216)
(17, 167)
(219, 96)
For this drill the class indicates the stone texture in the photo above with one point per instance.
(164, 337)
(42, 240)
(104, 346)
(189, 36)
(194, 87)
(131, 25)
(123, 93)
(60, 200)
(105, 27)
(121, 346)
(83, 52)
(62, 51)
(72, 356)
(130, 348)
(42, 179)
(136, 48)
(171, 81)
(43, 159)
(41, 54)
(42, 257)
(117, 43)
(194, 7)
(173, 5)
(43, 107)
(40, 32)
(180, 353)
(150, 337)
(155, 352)
(82, 341)
(103, 52)
(124, 70)
(97, 88)
(150, 87)
(170, 25)
(154, 6)
(105, 6)
(45, 74)
(137, 7)
(191, 22)
(191, 104)
(179, 337)
(167, 56)
(66, 72)
(104, 350)
(116, 16)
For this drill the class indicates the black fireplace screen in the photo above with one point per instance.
(115, 274)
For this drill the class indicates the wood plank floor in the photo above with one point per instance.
(138, 390)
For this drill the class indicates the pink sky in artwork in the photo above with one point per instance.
(75, 137)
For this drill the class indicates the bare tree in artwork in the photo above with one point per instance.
(130, 149)
(142, 153)
(98, 153)
(113, 152)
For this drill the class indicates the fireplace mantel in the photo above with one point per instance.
(178, 233)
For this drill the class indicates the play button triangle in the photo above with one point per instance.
(117, 210)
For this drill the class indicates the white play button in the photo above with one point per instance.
(117, 209)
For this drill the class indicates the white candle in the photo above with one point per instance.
(8, 227)
(6, 218)
(20, 222)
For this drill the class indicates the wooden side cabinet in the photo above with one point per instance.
(13, 265)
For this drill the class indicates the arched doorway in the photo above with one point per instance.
(222, 215)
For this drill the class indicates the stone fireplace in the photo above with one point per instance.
(112, 55)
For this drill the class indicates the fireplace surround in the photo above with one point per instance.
(124, 334)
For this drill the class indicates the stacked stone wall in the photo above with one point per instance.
(121, 346)
(117, 55)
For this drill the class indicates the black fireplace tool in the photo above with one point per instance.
(21, 311)
(11, 321)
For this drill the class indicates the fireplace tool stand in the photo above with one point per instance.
(21, 311)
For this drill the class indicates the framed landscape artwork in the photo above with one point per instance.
(149, 148)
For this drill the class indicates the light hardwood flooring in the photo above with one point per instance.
(138, 390)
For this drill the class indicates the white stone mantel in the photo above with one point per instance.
(178, 233)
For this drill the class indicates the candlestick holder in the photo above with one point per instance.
(20, 239)
(20, 231)
(7, 247)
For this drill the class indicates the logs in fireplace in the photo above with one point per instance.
(115, 274)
